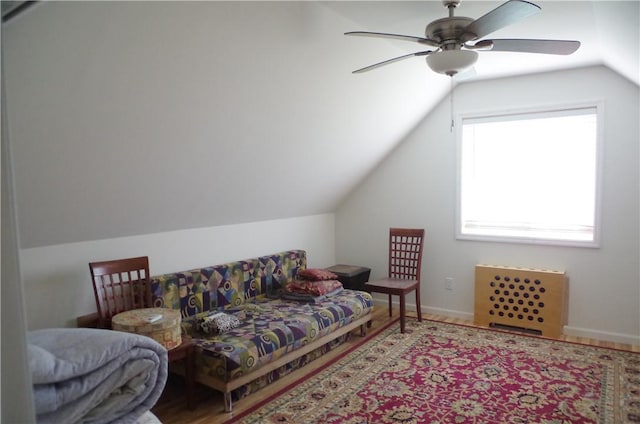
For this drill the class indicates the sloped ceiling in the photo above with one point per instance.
(131, 118)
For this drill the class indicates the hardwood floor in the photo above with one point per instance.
(172, 406)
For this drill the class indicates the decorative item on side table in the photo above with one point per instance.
(351, 276)
(162, 325)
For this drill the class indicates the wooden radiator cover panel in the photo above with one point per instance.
(518, 297)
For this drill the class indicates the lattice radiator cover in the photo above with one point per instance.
(532, 299)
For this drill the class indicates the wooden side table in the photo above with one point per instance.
(351, 276)
(186, 353)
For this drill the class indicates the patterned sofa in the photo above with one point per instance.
(275, 336)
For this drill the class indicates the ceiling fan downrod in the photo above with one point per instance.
(451, 5)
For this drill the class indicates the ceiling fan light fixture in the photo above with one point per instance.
(450, 62)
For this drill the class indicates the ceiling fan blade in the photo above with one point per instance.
(420, 40)
(500, 17)
(562, 47)
(387, 62)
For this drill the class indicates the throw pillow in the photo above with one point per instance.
(316, 274)
(314, 288)
(217, 323)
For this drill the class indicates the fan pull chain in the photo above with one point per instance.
(451, 103)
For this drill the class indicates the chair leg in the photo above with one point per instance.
(418, 307)
(390, 306)
(403, 312)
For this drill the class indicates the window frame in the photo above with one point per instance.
(495, 115)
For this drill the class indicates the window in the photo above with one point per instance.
(530, 177)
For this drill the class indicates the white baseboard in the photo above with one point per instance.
(448, 313)
(427, 309)
(602, 335)
(568, 330)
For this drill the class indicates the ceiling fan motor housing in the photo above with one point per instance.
(448, 31)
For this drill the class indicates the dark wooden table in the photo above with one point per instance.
(186, 352)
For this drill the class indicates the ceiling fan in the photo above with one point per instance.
(454, 39)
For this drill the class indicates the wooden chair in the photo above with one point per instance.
(120, 285)
(405, 260)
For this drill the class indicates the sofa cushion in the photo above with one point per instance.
(270, 329)
(228, 285)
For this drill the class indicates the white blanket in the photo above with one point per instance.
(94, 376)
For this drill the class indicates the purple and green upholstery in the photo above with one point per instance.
(225, 286)
(269, 326)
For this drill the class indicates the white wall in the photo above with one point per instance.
(416, 187)
(131, 118)
(16, 397)
(58, 286)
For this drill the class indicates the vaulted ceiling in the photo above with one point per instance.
(215, 113)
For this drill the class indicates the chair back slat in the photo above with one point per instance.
(120, 285)
(405, 253)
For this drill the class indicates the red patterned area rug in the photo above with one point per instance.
(447, 373)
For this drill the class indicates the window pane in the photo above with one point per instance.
(530, 176)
